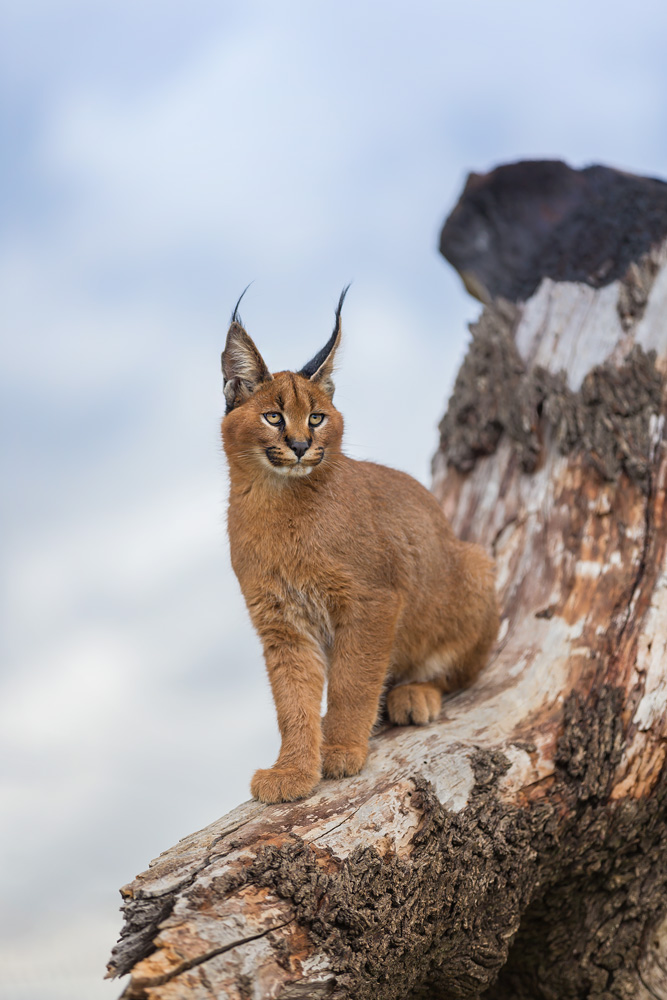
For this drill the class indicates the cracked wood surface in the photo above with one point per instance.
(532, 813)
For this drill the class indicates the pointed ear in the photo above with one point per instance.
(320, 368)
(243, 367)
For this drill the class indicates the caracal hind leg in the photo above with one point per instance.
(359, 664)
(417, 702)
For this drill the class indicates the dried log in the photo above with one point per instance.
(517, 848)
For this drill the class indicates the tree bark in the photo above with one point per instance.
(517, 848)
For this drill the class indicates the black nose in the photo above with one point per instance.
(299, 447)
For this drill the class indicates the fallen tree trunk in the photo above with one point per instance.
(517, 848)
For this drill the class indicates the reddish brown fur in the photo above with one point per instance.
(351, 574)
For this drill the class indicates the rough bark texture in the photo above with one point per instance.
(517, 848)
(608, 419)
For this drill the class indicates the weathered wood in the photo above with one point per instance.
(517, 848)
(536, 219)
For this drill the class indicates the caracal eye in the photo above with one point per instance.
(273, 418)
(315, 419)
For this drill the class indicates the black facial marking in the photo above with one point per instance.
(273, 455)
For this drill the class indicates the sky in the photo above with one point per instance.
(156, 157)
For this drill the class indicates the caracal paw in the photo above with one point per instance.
(282, 784)
(416, 703)
(340, 761)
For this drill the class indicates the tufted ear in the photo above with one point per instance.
(320, 368)
(243, 367)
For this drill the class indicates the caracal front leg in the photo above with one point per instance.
(296, 671)
(359, 666)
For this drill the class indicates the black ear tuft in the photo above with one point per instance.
(235, 315)
(316, 363)
(339, 307)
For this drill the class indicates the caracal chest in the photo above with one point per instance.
(284, 552)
